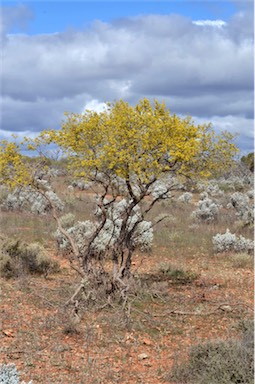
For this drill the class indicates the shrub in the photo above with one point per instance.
(3, 193)
(10, 375)
(219, 362)
(247, 216)
(83, 231)
(230, 242)
(234, 183)
(29, 199)
(177, 275)
(67, 220)
(6, 265)
(240, 202)
(214, 190)
(81, 184)
(207, 211)
(242, 260)
(18, 257)
(186, 197)
(250, 194)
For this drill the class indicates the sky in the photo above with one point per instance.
(196, 56)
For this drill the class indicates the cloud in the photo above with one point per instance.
(200, 69)
(237, 125)
(210, 23)
(11, 16)
(95, 105)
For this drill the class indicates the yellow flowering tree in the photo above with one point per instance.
(131, 154)
(145, 140)
(13, 170)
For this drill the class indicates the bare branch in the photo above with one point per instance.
(225, 307)
(65, 234)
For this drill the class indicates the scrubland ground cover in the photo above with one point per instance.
(113, 268)
(186, 294)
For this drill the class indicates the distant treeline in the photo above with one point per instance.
(249, 161)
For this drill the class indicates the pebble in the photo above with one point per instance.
(142, 356)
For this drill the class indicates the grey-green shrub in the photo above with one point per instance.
(83, 231)
(242, 203)
(207, 210)
(81, 184)
(219, 362)
(186, 197)
(10, 375)
(30, 199)
(231, 242)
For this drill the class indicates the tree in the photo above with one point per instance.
(248, 161)
(134, 157)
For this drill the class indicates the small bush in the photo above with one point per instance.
(81, 184)
(6, 267)
(230, 242)
(244, 209)
(18, 257)
(3, 193)
(250, 194)
(10, 375)
(30, 199)
(207, 210)
(212, 188)
(67, 220)
(242, 260)
(218, 362)
(186, 197)
(177, 275)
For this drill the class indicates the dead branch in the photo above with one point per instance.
(225, 307)
(71, 300)
(67, 236)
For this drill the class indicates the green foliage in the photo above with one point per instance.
(18, 257)
(219, 362)
(177, 275)
(249, 161)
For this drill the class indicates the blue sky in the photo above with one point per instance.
(196, 56)
(56, 16)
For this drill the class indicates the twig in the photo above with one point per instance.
(44, 299)
(107, 304)
(71, 300)
(228, 308)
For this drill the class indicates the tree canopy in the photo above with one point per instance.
(144, 141)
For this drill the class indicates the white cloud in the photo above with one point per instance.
(210, 23)
(94, 105)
